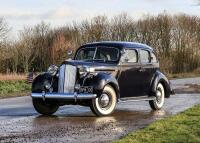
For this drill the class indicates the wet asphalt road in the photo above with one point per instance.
(19, 122)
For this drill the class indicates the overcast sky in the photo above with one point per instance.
(20, 13)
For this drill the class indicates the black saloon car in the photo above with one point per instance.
(100, 75)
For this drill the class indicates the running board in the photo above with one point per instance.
(142, 98)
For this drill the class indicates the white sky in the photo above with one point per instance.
(20, 13)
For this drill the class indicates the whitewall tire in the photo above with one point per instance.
(105, 103)
(158, 103)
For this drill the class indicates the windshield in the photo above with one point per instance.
(105, 54)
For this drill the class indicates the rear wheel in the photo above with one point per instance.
(158, 103)
(105, 103)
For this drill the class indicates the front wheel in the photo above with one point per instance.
(44, 107)
(158, 103)
(105, 103)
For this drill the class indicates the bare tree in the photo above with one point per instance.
(176, 40)
(122, 28)
(59, 48)
(3, 29)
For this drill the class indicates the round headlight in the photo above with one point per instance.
(84, 70)
(52, 70)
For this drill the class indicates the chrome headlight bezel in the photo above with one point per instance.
(84, 70)
(52, 70)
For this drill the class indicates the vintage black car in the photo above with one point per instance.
(100, 75)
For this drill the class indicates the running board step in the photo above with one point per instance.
(142, 98)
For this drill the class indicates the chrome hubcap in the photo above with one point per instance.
(158, 95)
(104, 100)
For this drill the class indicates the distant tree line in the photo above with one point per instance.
(176, 40)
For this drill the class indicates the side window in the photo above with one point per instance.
(145, 56)
(153, 58)
(130, 56)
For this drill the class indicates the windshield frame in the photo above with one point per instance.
(96, 48)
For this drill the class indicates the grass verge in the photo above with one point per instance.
(14, 88)
(183, 127)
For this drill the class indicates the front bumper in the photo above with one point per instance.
(69, 96)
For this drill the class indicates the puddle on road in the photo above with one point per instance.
(85, 126)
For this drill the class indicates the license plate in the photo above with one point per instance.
(86, 89)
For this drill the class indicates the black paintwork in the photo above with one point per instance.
(128, 79)
(102, 79)
(39, 81)
(160, 77)
(42, 79)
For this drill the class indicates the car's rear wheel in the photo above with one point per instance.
(158, 103)
(105, 103)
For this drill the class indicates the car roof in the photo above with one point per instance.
(121, 44)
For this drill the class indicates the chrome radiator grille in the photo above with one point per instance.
(67, 79)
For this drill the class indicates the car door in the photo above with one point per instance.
(130, 76)
(147, 70)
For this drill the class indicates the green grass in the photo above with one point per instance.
(14, 88)
(181, 128)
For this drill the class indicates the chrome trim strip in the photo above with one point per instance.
(63, 96)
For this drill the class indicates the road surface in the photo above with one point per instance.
(19, 122)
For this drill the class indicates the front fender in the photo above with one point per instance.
(39, 82)
(160, 77)
(102, 79)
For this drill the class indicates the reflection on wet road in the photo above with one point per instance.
(20, 123)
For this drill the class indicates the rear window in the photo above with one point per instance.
(145, 56)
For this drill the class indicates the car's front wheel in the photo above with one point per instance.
(43, 107)
(158, 103)
(105, 103)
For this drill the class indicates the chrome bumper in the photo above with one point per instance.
(74, 96)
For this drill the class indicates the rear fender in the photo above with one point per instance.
(161, 78)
